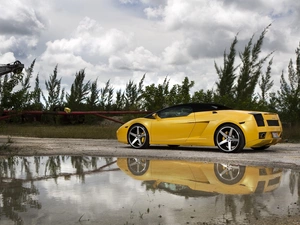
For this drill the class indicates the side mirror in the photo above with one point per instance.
(155, 116)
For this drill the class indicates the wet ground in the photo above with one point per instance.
(118, 190)
(79, 181)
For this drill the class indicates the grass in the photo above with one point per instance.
(52, 131)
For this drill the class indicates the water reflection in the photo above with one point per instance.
(193, 178)
(18, 175)
(97, 190)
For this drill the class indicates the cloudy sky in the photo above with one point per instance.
(121, 40)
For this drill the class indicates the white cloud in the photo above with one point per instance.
(140, 59)
(21, 25)
(90, 39)
(154, 12)
(122, 40)
(176, 54)
(21, 19)
(7, 57)
(128, 1)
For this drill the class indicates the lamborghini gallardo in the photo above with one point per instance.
(201, 124)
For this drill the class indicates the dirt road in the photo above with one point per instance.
(284, 155)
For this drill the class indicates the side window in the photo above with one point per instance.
(175, 112)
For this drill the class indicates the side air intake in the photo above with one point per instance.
(259, 119)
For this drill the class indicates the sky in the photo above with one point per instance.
(121, 40)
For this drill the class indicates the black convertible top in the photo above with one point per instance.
(197, 107)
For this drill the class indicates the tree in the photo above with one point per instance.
(227, 76)
(10, 99)
(155, 98)
(120, 101)
(106, 96)
(55, 93)
(93, 99)
(79, 91)
(133, 95)
(266, 83)
(202, 96)
(32, 99)
(289, 93)
(250, 72)
(180, 94)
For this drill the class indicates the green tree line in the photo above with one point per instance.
(244, 86)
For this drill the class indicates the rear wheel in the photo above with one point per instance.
(138, 136)
(229, 138)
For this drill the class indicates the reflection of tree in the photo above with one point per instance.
(80, 163)
(298, 188)
(18, 194)
(25, 166)
(15, 197)
(53, 166)
(37, 161)
(293, 181)
(150, 185)
(7, 167)
(230, 206)
(249, 201)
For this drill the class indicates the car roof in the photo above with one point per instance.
(198, 107)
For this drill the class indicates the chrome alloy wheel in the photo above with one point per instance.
(229, 173)
(229, 138)
(137, 166)
(138, 136)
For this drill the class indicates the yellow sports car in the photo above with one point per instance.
(184, 176)
(200, 124)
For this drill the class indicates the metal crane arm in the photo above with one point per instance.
(15, 67)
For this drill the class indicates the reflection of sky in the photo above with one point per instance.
(115, 198)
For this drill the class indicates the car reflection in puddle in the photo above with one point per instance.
(98, 190)
(200, 176)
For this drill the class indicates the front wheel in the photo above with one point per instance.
(138, 136)
(229, 138)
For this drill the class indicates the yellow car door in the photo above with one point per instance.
(172, 126)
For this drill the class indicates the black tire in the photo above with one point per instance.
(228, 173)
(261, 147)
(229, 138)
(138, 136)
(138, 166)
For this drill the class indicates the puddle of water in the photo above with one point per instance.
(95, 190)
